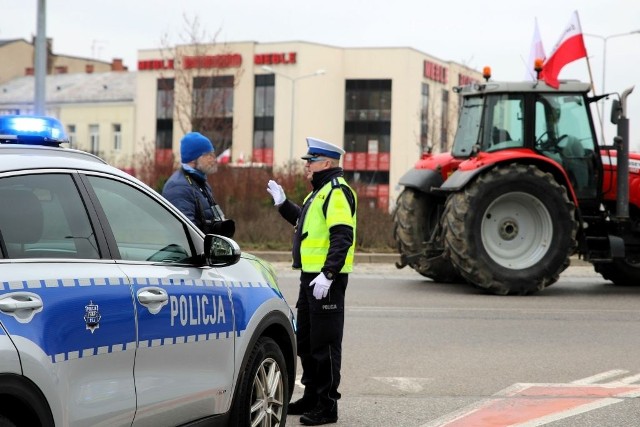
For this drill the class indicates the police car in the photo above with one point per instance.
(116, 310)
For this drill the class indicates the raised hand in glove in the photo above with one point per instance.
(276, 192)
(321, 286)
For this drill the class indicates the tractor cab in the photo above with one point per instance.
(555, 124)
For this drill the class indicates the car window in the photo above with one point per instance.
(43, 216)
(144, 230)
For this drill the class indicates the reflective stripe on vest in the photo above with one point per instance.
(315, 246)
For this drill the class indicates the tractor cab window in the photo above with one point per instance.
(503, 122)
(563, 133)
(467, 134)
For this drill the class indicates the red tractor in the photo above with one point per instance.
(525, 186)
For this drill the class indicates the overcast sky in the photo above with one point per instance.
(475, 33)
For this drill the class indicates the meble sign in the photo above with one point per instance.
(435, 72)
(189, 62)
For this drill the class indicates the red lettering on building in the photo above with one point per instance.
(205, 61)
(275, 58)
(212, 61)
(155, 64)
(436, 72)
(466, 80)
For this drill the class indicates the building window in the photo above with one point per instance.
(367, 139)
(94, 139)
(71, 134)
(212, 109)
(424, 118)
(165, 104)
(263, 112)
(444, 125)
(117, 137)
(165, 99)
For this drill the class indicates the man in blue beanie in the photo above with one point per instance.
(188, 189)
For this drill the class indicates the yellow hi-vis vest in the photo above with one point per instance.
(315, 245)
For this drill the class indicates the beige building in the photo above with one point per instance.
(18, 59)
(258, 102)
(385, 106)
(97, 110)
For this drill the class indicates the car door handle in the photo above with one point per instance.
(150, 296)
(19, 302)
(153, 298)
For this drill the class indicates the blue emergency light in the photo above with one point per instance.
(32, 130)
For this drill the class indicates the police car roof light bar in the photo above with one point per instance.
(32, 130)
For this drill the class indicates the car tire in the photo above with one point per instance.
(263, 392)
(6, 422)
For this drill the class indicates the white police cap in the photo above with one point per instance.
(318, 147)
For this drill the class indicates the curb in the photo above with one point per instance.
(368, 258)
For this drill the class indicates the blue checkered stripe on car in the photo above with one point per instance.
(64, 313)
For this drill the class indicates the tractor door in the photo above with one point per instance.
(563, 133)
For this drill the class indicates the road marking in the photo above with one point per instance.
(529, 405)
(405, 384)
(601, 376)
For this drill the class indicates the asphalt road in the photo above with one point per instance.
(422, 354)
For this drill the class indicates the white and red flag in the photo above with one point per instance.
(224, 157)
(569, 48)
(536, 52)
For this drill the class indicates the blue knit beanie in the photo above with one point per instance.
(194, 145)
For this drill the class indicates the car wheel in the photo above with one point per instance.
(263, 389)
(6, 422)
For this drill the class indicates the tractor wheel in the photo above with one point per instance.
(416, 221)
(622, 272)
(511, 231)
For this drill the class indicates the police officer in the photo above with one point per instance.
(188, 189)
(323, 248)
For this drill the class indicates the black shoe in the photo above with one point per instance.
(320, 416)
(302, 405)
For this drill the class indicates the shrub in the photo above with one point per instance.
(242, 194)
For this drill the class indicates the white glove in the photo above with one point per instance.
(276, 192)
(321, 286)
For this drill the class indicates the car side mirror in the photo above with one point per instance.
(220, 251)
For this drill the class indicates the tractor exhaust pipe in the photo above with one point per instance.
(621, 141)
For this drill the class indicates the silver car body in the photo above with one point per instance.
(117, 339)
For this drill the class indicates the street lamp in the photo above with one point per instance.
(604, 49)
(293, 81)
(604, 63)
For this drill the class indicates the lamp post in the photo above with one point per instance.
(293, 81)
(604, 63)
(604, 50)
(40, 60)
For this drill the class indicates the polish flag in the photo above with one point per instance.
(569, 48)
(536, 52)
(225, 157)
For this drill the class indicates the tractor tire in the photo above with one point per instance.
(622, 272)
(416, 221)
(511, 231)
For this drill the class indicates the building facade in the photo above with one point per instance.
(18, 59)
(257, 102)
(384, 106)
(97, 110)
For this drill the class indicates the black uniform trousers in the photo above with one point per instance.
(319, 335)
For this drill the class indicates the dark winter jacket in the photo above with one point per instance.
(191, 194)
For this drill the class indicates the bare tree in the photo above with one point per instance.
(203, 76)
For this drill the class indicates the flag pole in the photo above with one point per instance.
(593, 86)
